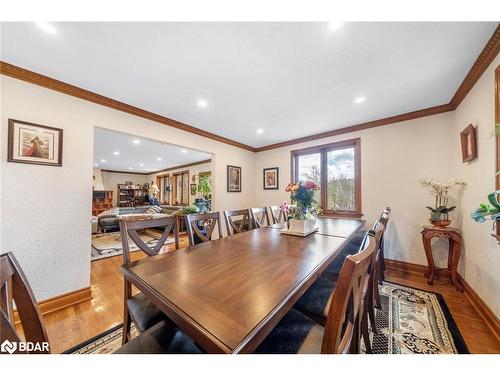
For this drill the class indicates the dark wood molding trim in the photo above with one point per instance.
(66, 88)
(160, 170)
(489, 52)
(62, 301)
(477, 302)
(485, 58)
(366, 125)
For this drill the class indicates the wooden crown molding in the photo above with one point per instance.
(61, 302)
(161, 170)
(487, 55)
(477, 302)
(66, 88)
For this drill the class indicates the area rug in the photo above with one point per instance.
(107, 245)
(413, 321)
(410, 321)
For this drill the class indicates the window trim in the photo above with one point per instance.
(323, 150)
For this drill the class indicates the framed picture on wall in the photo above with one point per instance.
(468, 142)
(193, 189)
(34, 144)
(233, 179)
(271, 178)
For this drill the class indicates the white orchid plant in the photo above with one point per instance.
(440, 191)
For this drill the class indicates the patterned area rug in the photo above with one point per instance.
(411, 321)
(107, 245)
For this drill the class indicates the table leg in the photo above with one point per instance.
(457, 249)
(429, 274)
(451, 245)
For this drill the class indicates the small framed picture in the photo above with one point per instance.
(233, 179)
(468, 141)
(34, 144)
(193, 189)
(271, 178)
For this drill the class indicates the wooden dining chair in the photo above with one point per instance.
(297, 333)
(384, 219)
(260, 217)
(277, 215)
(14, 288)
(200, 227)
(138, 308)
(242, 223)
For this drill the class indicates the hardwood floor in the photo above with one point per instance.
(78, 323)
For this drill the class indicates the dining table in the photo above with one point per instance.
(228, 294)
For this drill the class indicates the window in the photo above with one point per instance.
(336, 168)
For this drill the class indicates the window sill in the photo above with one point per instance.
(342, 215)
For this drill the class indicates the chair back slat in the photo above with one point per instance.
(14, 287)
(242, 223)
(341, 329)
(260, 217)
(132, 227)
(209, 221)
(277, 214)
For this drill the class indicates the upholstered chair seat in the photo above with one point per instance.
(145, 313)
(162, 338)
(315, 302)
(294, 334)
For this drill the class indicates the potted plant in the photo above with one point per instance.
(302, 214)
(440, 211)
(203, 189)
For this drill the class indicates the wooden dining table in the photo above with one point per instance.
(228, 294)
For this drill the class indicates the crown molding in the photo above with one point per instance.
(487, 55)
(66, 88)
(160, 170)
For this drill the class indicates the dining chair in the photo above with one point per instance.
(14, 288)
(384, 219)
(138, 308)
(207, 221)
(242, 223)
(277, 214)
(297, 333)
(260, 217)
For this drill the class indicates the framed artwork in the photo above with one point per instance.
(34, 144)
(468, 141)
(271, 178)
(233, 179)
(193, 189)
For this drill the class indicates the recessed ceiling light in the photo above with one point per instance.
(359, 99)
(159, 159)
(141, 165)
(334, 25)
(103, 161)
(260, 131)
(202, 103)
(47, 27)
(116, 153)
(96, 164)
(184, 151)
(130, 167)
(136, 141)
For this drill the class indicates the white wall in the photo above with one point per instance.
(393, 160)
(480, 264)
(46, 211)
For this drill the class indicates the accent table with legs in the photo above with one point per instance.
(455, 248)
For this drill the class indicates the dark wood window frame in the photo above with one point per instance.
(323, 150)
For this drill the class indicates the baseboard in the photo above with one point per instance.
(477, 302)
(60, 302)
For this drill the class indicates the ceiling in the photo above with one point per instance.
(288, 79)
(138, 154)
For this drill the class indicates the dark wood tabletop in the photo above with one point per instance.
(332, 227)
(228, 294)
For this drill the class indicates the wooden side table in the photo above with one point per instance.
(455, 248)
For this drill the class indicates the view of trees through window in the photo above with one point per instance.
(340, 174)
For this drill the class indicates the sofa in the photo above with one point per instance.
(109, 220)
